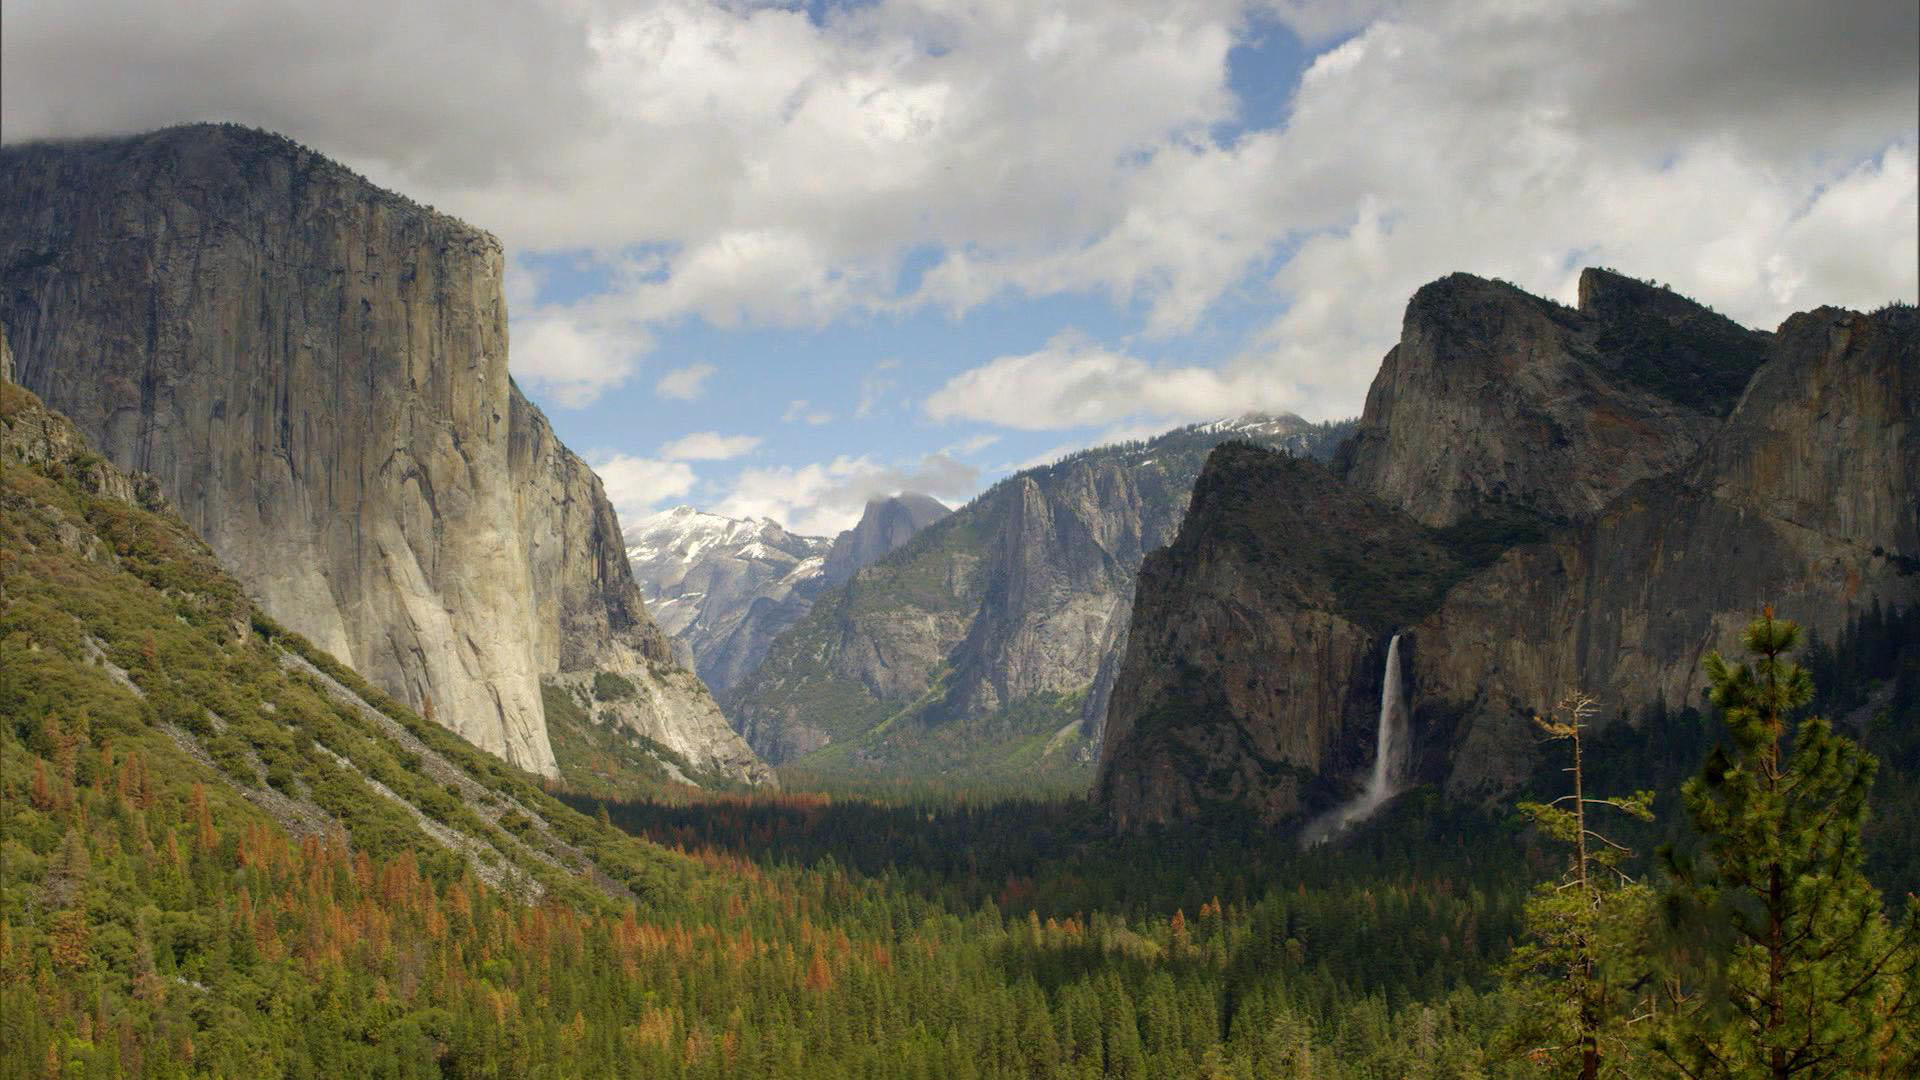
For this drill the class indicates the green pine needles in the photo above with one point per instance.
(1796, 970)
(1582, 977)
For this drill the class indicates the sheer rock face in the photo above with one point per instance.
(1496, 396)
(1796, 489)
(32, 434)
(1254, 656)
(1824, 437)
(1804, 499)
(315, 371)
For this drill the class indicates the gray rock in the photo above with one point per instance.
(1551, 551)
(1803, 499)
(1493, 395)
(884, 525)
(315, 371)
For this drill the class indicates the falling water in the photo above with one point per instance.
(1389, 752)
(1389, 759)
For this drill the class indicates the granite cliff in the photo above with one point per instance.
(315, 373)
(1599, 495)
(1254, 660)
(38, 437)
(985, 647)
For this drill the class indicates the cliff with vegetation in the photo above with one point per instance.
(315, 372)
(1601, 494)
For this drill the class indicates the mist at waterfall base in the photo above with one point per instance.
(1389, 761)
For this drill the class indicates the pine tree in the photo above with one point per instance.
(1806, 976)
(1580, 972)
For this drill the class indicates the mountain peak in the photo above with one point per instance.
(888, 522)
(1609, 294)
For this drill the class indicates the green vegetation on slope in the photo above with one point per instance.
(1676, 347)
(607, 760)
(202, 874)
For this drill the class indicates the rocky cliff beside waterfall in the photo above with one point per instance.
(1538, 497)
(315, 372)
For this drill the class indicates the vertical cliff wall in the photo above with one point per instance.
(1252, 667)
(1804, 499)
(1603, 495)
(315, 370)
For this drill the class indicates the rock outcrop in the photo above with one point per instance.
(315, 372)
(1558, 553)
(32, 434)
(976, 650)
(1803, 499)
(1495, 396)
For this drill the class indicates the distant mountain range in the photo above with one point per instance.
(724, 587)
(981, 650)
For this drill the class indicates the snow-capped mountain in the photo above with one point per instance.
(725, 587)
(703, 573)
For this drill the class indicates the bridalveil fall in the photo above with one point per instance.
(1389, 759)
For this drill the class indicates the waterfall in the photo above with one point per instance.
(1389, 759)
(1390, 749)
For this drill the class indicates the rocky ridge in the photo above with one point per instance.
(1568, 556)
(315, 371)
(884, 525)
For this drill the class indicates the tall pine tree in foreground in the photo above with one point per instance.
(1798, 972)
(1581, 974)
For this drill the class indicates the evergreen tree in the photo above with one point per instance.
(1806, 976)
(1579, 974)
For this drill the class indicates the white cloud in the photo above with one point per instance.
(708, 446)
(1074, 382)
(1847, 247)
(570, 361)
(685, 384)
(637, 486)
(752, 164)
(781, 165)
(875, 387)
(824, 498)
(1412, 153)
(972, 444)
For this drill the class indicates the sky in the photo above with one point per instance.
(777, 258)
